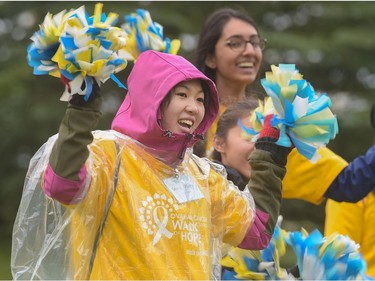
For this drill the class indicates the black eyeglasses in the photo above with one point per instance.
(238, 44)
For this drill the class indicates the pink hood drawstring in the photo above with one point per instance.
(153, 76)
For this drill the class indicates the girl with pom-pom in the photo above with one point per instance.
(133, 202)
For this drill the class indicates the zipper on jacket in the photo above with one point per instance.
(167, 134)
(199, 136)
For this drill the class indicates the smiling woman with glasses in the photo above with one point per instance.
(222, 55)
(232, 28)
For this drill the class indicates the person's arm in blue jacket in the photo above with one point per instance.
(356, 180)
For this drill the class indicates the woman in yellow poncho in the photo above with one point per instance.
(133, 202)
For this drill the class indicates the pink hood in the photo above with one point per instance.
(152, 77)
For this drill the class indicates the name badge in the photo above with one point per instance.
(184, 188)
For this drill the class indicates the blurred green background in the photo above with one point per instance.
(332, 44)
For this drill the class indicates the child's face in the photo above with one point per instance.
(235, 150)
(183, 110)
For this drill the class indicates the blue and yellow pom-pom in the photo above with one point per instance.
(335, 257)
(45, 44)
(145, 34)
(240, 264)
(80, 48)
(303, 116)
(90, 48)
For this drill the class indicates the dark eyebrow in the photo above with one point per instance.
(237, 36)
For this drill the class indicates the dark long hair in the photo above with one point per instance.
(210, 34)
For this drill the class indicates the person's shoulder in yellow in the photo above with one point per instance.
(309, 181)
(355, 220)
